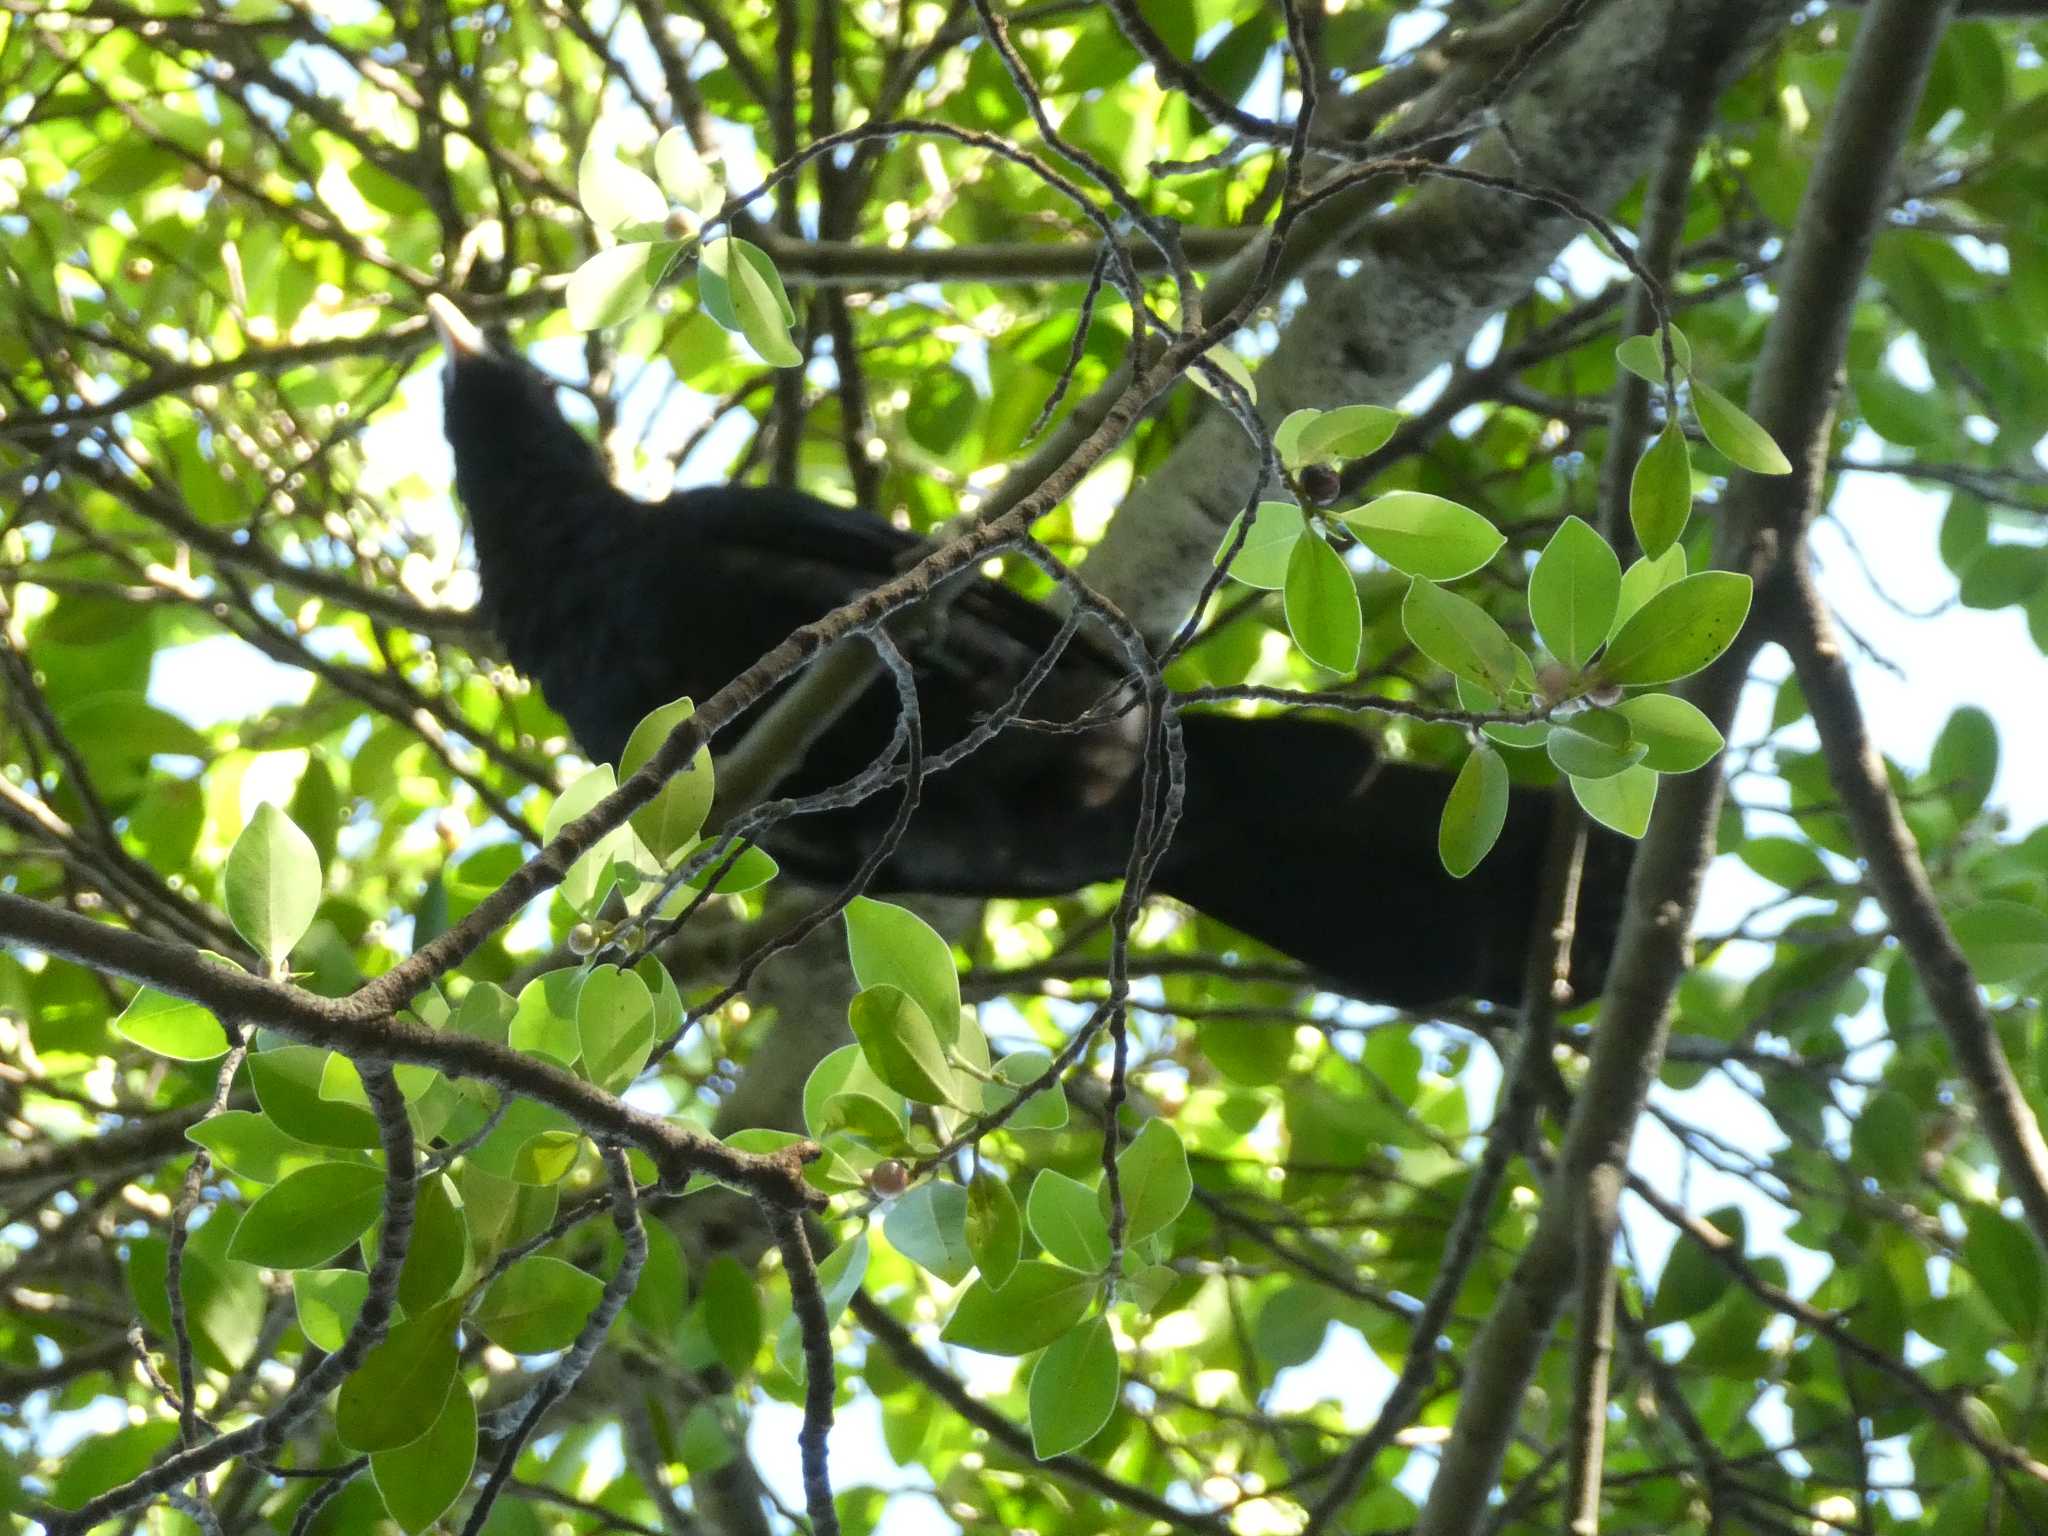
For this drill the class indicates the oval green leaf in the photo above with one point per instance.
(308, 1217)
(397, 1393)
(1623, 802)
(1573, 592)
(271, 883)
(172, 1027)
(1461, 637)
(1679, 631)
(1594, 744)
(1037, 1304)
(1660, 492)
(1152, 1173)
(420, 1481)
(669, 822)
(1422, 535)
(928, 1226)
(1066, 1218)
(995, 1228)
(1073, 1390)
(1474, 812)
(892, 946)
(614, 1025)
(903, 1049)
(1678, 738)
(1729, 428)
(1321, 601)
(1276, 528)
(613, 285)
(538, 1305)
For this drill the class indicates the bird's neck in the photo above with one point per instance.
(544, 518)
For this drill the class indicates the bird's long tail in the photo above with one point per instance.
(1297, 833)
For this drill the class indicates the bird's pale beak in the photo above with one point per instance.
(460, 337)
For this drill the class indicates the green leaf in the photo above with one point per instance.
(658, 1301)
(2006, 1265)
(1047, 1109)
(538, 1305)
(250, 1146)
(287, 1081)
(730, 1305)
(397, 1393)
(1643, 355)
(1322, 605)
(1276, 529)
(614, 195)
(1474, 812)
(1679, 631)
(546, 1158)
(893, 946)
(1037, 1304)
(1461, 637)
(1427, 536)
(1886, 1136)
(1153, 1174)
(591, 877)
(1066, 1218)
(669, 822)
(902, 1047)
(613, 285)
(1676, 736)
(420, 1481)
(2004, 941)
(845, 1075)
(1475, 698)
(1573, 592)
(224, 1299)
(749, 298)
(615, 1025)
(328, 1302)
(995, 1228)
(1623, 802)
(271, 883)
(1660, 492)
(1073, 1390)
(1964, 762)
(110, 1460)
(750, 871)
(1644, 580)
(928, 1226)
(1287, 437)
(172, 1027)
(685, 176)
(1349, 432)
(545, 1021)
(1693, 1279)
(308, 1217)
(435, 1256)
(1739, 438)
(1594, 744)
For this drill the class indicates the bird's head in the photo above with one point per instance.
(485, 389)
(500, 416)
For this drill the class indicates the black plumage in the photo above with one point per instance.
(1295, 831)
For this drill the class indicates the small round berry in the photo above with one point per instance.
(582, 939)
(1554, 680)
(1320, 484)
(890, 1178)
(1606, 697)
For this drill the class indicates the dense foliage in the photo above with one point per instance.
(372, 1176)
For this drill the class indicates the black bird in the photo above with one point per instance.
(1295, 831)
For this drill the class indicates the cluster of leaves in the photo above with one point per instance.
(1612, 637)
(737, 284)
